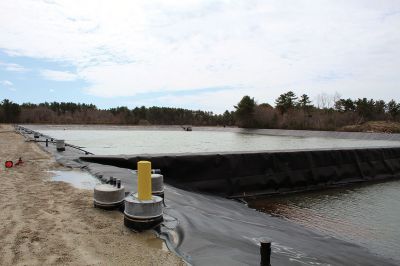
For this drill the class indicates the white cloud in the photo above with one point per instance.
(6, 83)
(58, 75)
(261, 48)
(12, 67)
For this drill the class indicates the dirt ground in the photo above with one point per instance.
(374, 126)
(45, 223)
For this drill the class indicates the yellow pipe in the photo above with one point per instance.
(144, 180)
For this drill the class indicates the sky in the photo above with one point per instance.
(197, 54)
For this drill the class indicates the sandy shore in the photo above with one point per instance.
(45, 222)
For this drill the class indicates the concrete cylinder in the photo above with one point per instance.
(60, 145)
(140, 215)
(108, 197)
(157, 184)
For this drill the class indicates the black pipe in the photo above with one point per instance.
(118, 183)
(265, 251)
(47, 142)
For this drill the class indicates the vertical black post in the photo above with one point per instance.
(265, 251)
(110, 180)
(118, 183)
(47, 142)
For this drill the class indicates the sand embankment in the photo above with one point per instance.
(43, 222)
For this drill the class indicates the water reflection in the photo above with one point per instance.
(367, 215)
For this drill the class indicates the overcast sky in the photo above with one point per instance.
(197, 54)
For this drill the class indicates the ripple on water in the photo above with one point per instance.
(368, 215)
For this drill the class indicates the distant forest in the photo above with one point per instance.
(77, 113)
(327, 112)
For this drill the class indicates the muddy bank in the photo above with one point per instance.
(374, 126)
(47, 223)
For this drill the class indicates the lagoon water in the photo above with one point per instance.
(128, 140)
(77, 179)
(368, 215)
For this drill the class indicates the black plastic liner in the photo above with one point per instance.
(256, 173)
(212, 230)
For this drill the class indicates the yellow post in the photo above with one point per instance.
(144, 180)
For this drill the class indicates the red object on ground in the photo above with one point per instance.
(8, 164)
(19, 161)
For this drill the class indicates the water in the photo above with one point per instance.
(367, 215)
(113, 142)
(77, 179)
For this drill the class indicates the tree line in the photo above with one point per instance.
(81, 113)
(329, 112)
